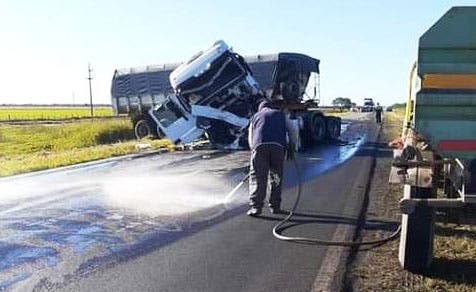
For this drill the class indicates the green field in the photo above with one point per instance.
(50, 113)
(26, 148)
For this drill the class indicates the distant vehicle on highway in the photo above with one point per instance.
(368, 105)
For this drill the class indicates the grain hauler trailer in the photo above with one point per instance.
(134, 91)
(217, 91)
(437, 163)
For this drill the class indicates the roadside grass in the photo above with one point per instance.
(454, 263)
(13, 113)
(336, 113)
(34, 147)
(394, 122)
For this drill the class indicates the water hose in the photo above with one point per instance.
(281, 225)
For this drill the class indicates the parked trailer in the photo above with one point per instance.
(217, 91)
(439, 153)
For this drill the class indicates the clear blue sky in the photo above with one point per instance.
(365, 47)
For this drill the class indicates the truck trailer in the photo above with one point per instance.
(437, 163)
(216, 92)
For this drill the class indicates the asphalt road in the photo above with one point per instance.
(166, 222)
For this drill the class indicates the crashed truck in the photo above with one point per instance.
(436, 159)
(216, 92)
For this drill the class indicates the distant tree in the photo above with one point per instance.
(398, 105)
(343, 102)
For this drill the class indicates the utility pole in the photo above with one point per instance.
(90, 89)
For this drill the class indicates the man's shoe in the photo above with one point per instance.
(277, 211)
(253, 211)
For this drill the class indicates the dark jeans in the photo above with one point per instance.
(378, 117)
(266, 160)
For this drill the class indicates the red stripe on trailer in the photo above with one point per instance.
(457, 145)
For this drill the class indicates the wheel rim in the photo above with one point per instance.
(142, 129)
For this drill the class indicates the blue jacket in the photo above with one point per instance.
(268, 126)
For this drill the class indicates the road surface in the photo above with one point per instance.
(167, 222)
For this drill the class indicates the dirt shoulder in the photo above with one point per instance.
(378, 269)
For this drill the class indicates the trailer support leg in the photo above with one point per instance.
(416, 239)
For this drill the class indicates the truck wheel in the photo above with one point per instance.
(318, 128)
(416, 239)
(470, 177)
(142, 129)
(333, 128)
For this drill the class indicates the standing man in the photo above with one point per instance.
(267, 137)
(378, 113)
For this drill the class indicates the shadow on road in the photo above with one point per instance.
(375, 149)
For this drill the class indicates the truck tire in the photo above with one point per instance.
(470, 177)
(416, 238)
(142, 129)
(333, 127)
(318, 128)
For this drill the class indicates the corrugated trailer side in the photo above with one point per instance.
(445, 108)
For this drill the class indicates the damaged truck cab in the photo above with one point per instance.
(214, 95)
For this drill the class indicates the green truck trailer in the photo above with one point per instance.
(437, 163)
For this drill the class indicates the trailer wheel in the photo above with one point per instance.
(333, 127)
(142, 129)
(416, 239)
(318, 128)
(470, 186)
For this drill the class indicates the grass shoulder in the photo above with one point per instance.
(35, 147)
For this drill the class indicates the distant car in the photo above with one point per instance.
(389, 109)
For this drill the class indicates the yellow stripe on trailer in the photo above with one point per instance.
(449, 81)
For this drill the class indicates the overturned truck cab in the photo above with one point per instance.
(217, 91)
(214, 95)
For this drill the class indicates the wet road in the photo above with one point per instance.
(166, 223)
